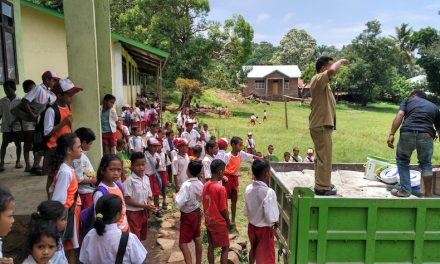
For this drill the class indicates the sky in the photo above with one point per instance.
(334, 22)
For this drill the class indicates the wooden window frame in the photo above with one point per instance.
(5, 28)
(259, 87)
(288, 84)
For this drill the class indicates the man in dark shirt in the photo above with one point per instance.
(416, 133)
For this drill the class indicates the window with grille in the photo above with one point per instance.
(8, 55)
(259, 84)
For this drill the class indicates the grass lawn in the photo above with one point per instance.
(360, 130)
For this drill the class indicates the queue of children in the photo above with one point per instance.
(103, 214)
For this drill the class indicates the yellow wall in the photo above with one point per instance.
(44, 44)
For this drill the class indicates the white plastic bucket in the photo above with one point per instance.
(374, 166)
(415, 177)
(389, 175)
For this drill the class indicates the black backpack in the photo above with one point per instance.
(40, 140)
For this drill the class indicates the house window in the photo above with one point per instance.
(286, 84)
(259, 85)
(8, 58)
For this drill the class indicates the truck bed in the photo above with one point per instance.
(350, 184)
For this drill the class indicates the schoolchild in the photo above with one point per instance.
(105, 242)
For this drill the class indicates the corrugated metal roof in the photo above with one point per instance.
(261, 71)
(418, 79)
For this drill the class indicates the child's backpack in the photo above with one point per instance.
(87, 215)
(40, 140)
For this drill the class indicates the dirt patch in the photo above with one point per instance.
(234, 99)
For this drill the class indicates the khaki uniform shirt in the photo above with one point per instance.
(323, 102)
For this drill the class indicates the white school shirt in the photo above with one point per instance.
(207, 160)
(41, 94)
(191, 137)
(138, 189)
(250, 143)
(1, 247)
(190, 195)
(309, 159)
(207, 135)
(103, 249)
(31, 260)
(84, 170)
(298, 158)
(8, 124)
(60, 256)
(136, 144)
(179, 167)
(163, 161)
(149, 170)
(260, 205)
(221, 155)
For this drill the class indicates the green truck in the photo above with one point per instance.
(314, 229)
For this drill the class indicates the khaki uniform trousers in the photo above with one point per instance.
(322, 139)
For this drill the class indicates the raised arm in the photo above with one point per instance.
(334, 69)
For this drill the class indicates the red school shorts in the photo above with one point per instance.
(109, 138)
(86, 200)
(262, 243)
(164, 178)
(249, 150)
(190, 226)
(155, 188)
(231, 187)
(138, 222)
(218, 238)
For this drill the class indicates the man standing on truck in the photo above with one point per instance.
(322, 122)
(417, 132)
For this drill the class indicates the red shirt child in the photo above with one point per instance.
(215, 206)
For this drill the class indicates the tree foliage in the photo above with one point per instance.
(296, 47)
(262, 53)
(189, 89)
(427, 41)
(52, 4)
(330, 51)
(373, 63)
(234, 47)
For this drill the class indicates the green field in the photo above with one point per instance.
(360, 130)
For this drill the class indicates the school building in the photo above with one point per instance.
(78, 44)
(271, 82)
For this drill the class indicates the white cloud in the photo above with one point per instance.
(432, 7)
(287, 17)
(262, 17)
(274, 39)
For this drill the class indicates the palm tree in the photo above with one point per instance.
(403, 39)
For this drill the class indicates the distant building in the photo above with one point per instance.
(271, 82)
